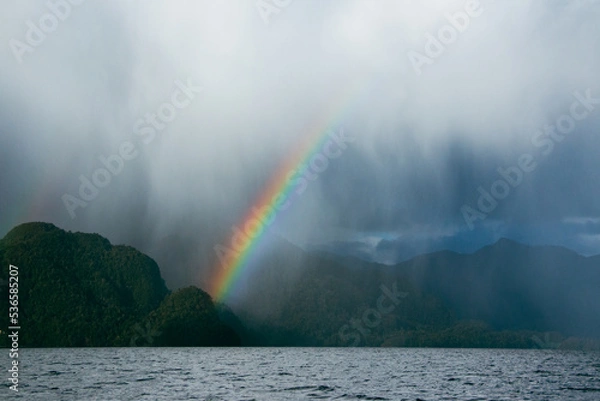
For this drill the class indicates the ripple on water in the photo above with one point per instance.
(295, 374)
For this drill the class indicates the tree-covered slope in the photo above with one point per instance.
(188, 317)
(505, 295)
(77, 289)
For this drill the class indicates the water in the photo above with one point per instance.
(304, 374)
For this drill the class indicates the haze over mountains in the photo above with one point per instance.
(167, 130)
(424, 144)
(507, 285)
(78, 290)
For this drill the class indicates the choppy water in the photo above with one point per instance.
(304, 374)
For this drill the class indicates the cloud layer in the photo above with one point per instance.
(425, 140)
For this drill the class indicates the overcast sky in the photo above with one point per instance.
(436, 104)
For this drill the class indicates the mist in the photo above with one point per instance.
(256, 82)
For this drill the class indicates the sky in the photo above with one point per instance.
(461, 122)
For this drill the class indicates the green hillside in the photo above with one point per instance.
(78, 290)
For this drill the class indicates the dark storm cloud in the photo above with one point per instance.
(424, 144)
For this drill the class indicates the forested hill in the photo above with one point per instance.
(504, 295)
(79, 290)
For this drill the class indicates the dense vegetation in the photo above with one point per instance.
(78, 290)
(189, 317)
(506, 295)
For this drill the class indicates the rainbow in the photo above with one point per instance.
(280, 186)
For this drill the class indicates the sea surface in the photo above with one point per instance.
(303, 374)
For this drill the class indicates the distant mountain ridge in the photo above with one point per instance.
(515, 286)
(392, 252)
(79, 290)
(506, 287)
